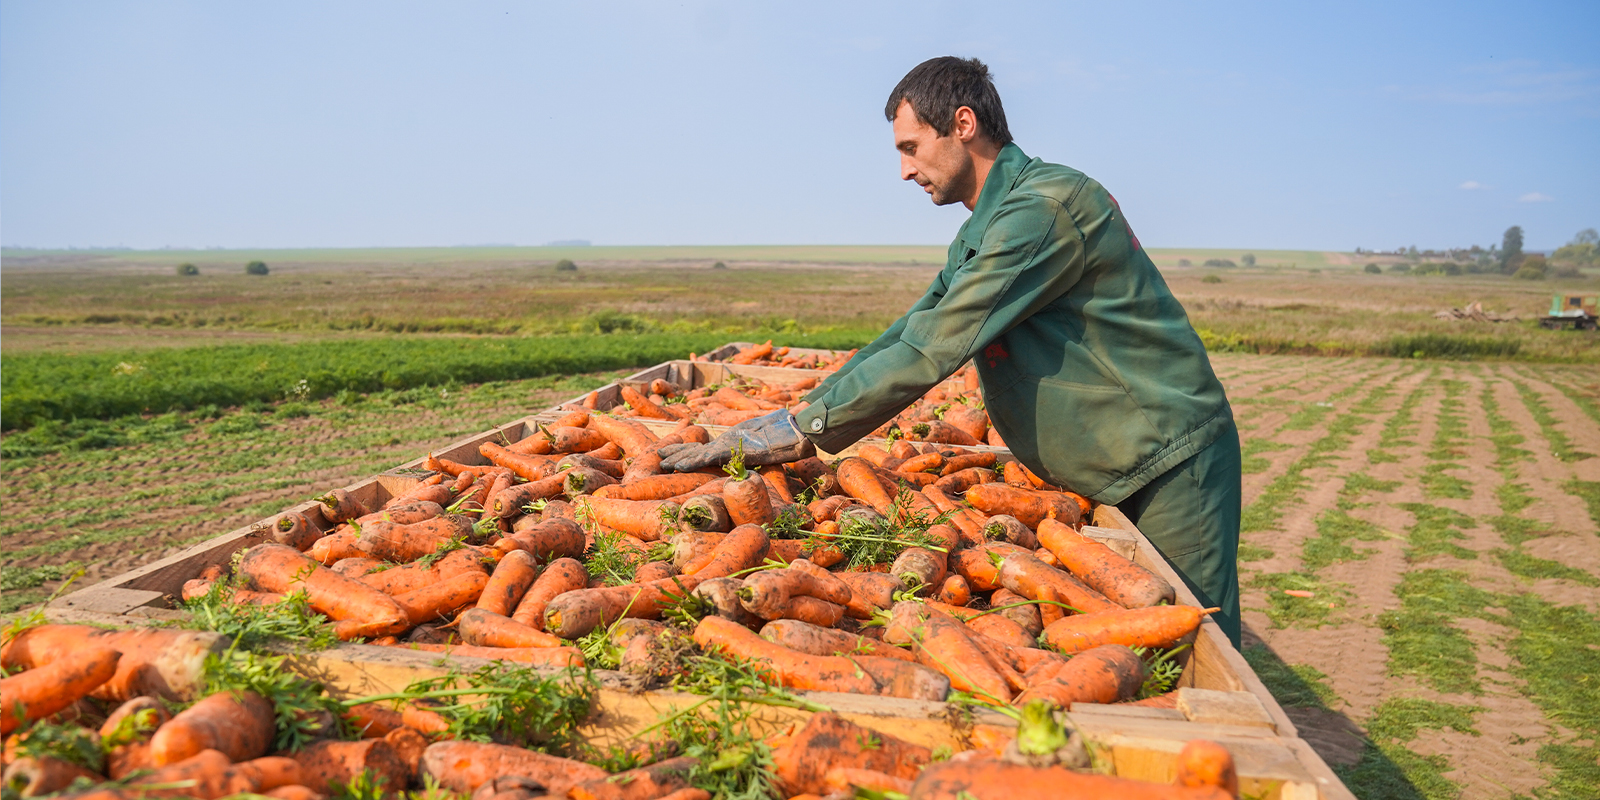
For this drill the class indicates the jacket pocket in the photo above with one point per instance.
(1086, 436)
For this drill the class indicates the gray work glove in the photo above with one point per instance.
(770, 439)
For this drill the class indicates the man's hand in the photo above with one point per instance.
(771, 439)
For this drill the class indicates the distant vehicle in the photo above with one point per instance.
(1575, 311)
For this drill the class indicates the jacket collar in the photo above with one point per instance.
(1001, 180)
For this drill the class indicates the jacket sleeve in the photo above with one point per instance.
(928, 300)
(1031, 254)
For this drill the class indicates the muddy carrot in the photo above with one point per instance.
(409, 578)
(747, 501)
(46, 689)
(328, 765)
(824, 510)
(1104, 674)
(994, 779)
(977, 564)
(1006, 528)
(858, 675)
(546, 541)
(642, 405)
(335, 546)
(1014, 474)
(817, 640)
(634, 439)
(295, 530)
(339, 505)
(744, 547)
(954, 591)
(402, 543)
(723, 595)
(705, 513)
(851, 779)
(511, 501)
(487, 629)
(646, 520)
(859, 479)
(766, 593)
(461, 766)
(1023, 573)
(239, 724)
(829, 741)
(443, 599)
(1027, 505)
(1157, 626)
(559, 577)
(922, 462)
(965, 480)
(575, 614)
(1016, 608)
(778, 480)
(870, 592)
(44, 775)
(1120, 580)
(645, 783)
(358, 609)
(944, 644)
(584, 480)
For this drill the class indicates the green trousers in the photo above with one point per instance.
(1191, 514)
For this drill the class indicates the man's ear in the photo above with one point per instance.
(965, 125)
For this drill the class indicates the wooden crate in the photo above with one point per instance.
(1232, 705)
(731, 349)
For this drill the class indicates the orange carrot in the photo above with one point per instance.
(442, 600)
(528, 467)
(482, 628)
(538, 656)
(1203, 763)
(460, 766)
(335, 546)
(1157, 626)
(508, 583)
(339, 505)
(511, 501)
(860, 675)
(923, 462)
(647, 520)
(359, 610)
(659, 487)
(1006, 528)
(409, 578)
(965, 480)
(1027, 505)
(642, 405)
(994, 779)
(778, 480)
(977, 564)
(653, 571)
(559, 577)
(766, 593)
(870, 592)
(824, 510)
(239, 724)
(1025, 614)
(705, 512)
(747, 501)
(859, 479)
(1120, 580)
(37, 777)
(723, 595)
(1024, 574)
(584, 480)
(828, 741)
(634, 439)
(46, 689)
(851, 779)
(295, 530)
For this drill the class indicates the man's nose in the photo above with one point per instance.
(907, 169)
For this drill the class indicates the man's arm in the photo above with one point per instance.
(1031, 254)
(889, 337)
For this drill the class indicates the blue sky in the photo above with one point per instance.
(1249, 125)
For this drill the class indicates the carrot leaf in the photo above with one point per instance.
(302, 709)
(1163, 671)
(368, 785)
(516, 706)
(71, 743)
(252, 626)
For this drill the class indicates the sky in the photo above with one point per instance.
(353, 124)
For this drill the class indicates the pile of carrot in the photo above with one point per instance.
(74, 679)
(766, 355)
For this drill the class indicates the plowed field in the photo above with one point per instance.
(1444, 516)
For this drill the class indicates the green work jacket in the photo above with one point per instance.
(1090, 369)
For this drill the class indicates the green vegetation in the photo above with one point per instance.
(1422, 641)
(187, 269)
(256, 268)
(1435, 532)
(1560, 445)
(1589, 493)
(1388, 769)
(1287, 611)
(1293, 685)
(40, 388)
(1335, 529)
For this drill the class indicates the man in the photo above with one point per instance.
(1089, 367)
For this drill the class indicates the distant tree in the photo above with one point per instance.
(1248, 259)
(1372, 269)
(1511, 250)
(1219, 263)
(1533, 268)
(1411, 252)
(719, 265)
(188, 269)
(1211, 279)
(1582, 251)
(1399, 267)
(255, 268)
(566, 265)
(1184, 262)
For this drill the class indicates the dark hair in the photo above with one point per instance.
(937, 87)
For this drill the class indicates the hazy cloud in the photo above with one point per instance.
(1535, 197)
(1519, 82)
(1470, 185)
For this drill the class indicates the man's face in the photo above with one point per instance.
(941, 165)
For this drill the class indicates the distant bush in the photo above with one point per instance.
(1219, 263)
(1211, 279)
(1437, 268)
(1399, 267)
(188, 269)
(1565, 271)
(1248, 259)
(719, 265)
(1532, 268)
(1372, 269)
(1184, 262)
(255, 268)
(566, 265)
(1443, 345)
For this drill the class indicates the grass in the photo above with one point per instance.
(1560, 445)
(1287, 611)
(1335, 529)
(1589, 493)
(1523, 565)
(1292, 685)
(1435, 532)
(44, 388)
(1388, 769)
